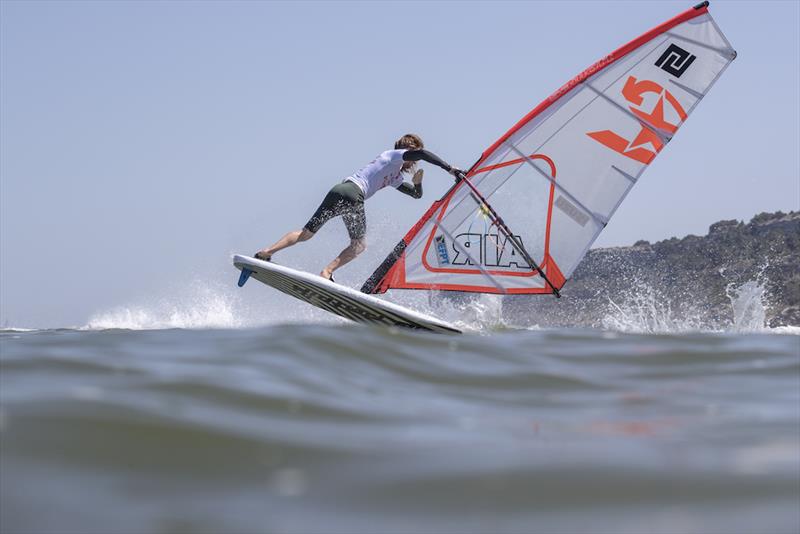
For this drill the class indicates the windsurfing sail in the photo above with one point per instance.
(536, 199)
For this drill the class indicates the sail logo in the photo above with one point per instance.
(634, 91)
(675, 60)
(442, 257)
(491, 250)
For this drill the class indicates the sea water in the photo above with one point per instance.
(170, 419)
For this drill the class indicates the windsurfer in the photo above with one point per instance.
(346, 199)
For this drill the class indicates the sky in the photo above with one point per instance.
(143, 143)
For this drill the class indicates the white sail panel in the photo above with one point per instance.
(558, 176)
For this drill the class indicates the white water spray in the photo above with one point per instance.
(646, 310)
(748, 305)
(204, 307)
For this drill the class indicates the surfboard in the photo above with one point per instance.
(336, 298)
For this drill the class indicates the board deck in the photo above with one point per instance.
(336, 298)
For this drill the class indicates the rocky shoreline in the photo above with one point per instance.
(694, 278)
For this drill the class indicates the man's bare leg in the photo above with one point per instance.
(292, 238)
(356, 247)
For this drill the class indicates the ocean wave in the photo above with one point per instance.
(175, 429)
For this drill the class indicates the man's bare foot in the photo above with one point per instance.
(327, 275)
(261, 255)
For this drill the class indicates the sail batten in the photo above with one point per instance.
(559, 174)
(559, 187)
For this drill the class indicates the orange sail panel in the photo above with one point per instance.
(560, 173)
